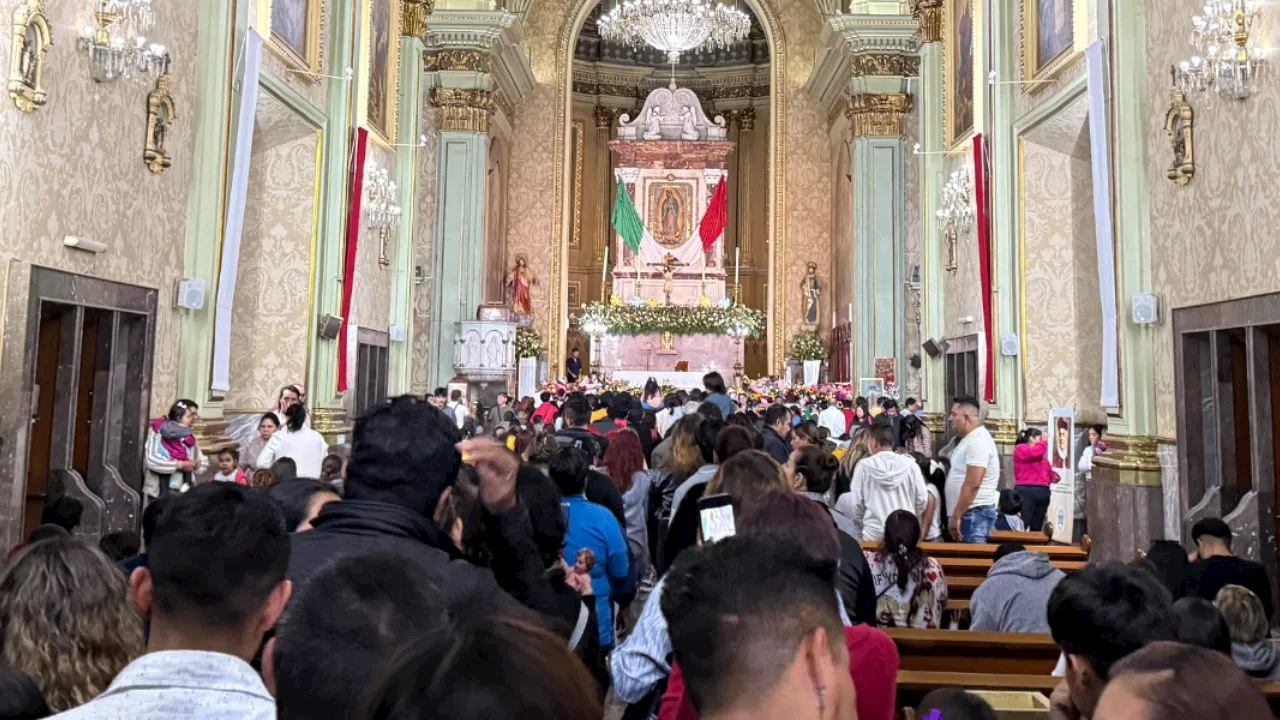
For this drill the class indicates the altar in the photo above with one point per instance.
(670, 166)
(677, 380)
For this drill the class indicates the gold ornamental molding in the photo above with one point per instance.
(413, 17)
(879, 115)
(928, 15)
(331, 422)
(1004, 431)
(884, 65)
(935, 423)
(747, 119)
(457, 59)
(30, 41)
(160, 117)
(1179, 125)
(502, 103)
(462, 110)
(1132, 460)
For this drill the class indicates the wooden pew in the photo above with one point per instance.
(965, 651)
(987, 551)
(1029, 537)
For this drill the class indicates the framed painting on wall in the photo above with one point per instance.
(958, 94)
(1048, 36)
(382, 68)
(295, 32)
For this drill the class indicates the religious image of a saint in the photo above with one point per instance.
(962, 84)
(289, 23)
(812, 290)
(1055, 30)
(1062, 443)
(670, 214)
(521, 281)
(380, 66)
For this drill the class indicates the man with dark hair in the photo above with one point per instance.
(497, 413)
(578, 433)
(974, 479)
(1014, 595)
(717, 394)
(756, 630)
(832, 418)
(405, 457)
(591, 527)
(343, 629)
(777, 430)
(883, 482)
(213, 585)
(1215, 566)
(616, 406)
(546, 411)
(63, 511)
(439, 398)
(1098, 616)
(573, 366)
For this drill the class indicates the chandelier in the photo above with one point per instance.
(115, 45)
(675, 26)
(1226, 59)
(956, 215)
(382, 214)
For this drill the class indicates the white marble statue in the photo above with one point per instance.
(688, 131)
(653, 126)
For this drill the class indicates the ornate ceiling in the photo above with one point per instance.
(590, 48)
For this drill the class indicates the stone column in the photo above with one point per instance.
(879, 204)
(462, 122)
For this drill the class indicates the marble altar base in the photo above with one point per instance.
(645, 353)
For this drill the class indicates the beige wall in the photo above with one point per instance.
(913, 252)
(371, 299)
(424, 241)
(963, 288)
(1214, 239)
(75, 167)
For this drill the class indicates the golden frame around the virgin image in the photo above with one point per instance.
(958, 72)
(380, 99)
(305, 20)
(1038, 70)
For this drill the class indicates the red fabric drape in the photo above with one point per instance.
(353, 243)
(716, 218)
(980, 185)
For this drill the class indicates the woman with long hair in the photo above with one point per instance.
(859, 447)
(685, 457)
(66, 621)
(806, 435)
(916, 437)
(911, 590)
(935, 483)
(1097, 437)
(624, 464)
(651, 399)
(268, 425)
(298, 441)
(289, 396)
(1032, 476)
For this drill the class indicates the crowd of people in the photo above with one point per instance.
(689, 554)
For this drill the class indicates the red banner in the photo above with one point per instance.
(353, 244)
(716, 218)
(980, 186)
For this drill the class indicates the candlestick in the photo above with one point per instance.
(604, 273)
(850, 314)
(737, 265)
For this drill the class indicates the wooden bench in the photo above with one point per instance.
(1029, 537)
(988, 551)
(965, 651)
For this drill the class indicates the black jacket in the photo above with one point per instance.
(352, 527)
(854, 582)
(776, 446)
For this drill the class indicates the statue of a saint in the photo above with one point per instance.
(653, 124)
(811, 289)
(688, 131)
(521, 281)
(669, 265)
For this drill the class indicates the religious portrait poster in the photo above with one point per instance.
(669, 212)
(959, 90)
(1062, 494)
(1048, 35)
(887, 369)
(380, 106)
(295, 32)
(871, 388)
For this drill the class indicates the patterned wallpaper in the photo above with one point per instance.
(270, 321)
(424, 242)
(910, 377)
(75, 167)
(1214, 239)
(807, 184)
(1063, 340)
(963, 288)
(1028, 97)
(842, 231)
(371, 299)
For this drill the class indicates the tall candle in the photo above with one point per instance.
(851, 313)
(604, 273)
(737, 265)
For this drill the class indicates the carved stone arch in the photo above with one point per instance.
(767, 14)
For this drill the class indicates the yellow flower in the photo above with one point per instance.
(651, 302)
(615, 300)
(704, 301)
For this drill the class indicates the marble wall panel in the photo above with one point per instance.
(424, 238)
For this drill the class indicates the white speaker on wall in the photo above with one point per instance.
(191, 293)
(396, 333)
(1146, 309)
(1009, 345)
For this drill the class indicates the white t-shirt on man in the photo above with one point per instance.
(977, 449)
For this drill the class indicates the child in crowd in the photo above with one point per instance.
(580, 574)
(229, 469)
(331, 469)
(1010, 517)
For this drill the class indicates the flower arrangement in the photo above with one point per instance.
(528, 342)
(808, 346)
(678, 319)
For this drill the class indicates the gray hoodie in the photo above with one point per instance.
(1259, 660)
(1015, 595)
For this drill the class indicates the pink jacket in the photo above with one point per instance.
(1031, 465)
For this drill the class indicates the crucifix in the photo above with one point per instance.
(669, 264)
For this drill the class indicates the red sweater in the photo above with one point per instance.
(1031, 466)
(873, 665)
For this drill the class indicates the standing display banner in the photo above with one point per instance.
(1062, 495)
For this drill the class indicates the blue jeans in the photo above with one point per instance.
(977, 523)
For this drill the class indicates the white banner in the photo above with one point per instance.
(1062, 455)
(1095, 58)
(235, 213)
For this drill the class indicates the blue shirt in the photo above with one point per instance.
(593, 527)
(721, 401)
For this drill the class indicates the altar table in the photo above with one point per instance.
(678, 380)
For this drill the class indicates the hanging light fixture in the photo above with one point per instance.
(115, 45)
(1228, 58)
(675, 26)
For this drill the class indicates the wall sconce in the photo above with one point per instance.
(1228, 59)
(382, 214)
(115, 46)
(956, 214)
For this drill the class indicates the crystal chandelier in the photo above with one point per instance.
(1226, 59)
(956, 215)
(382, 214)
(115, 45)
(675, 26)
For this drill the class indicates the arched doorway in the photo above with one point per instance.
(759, 288)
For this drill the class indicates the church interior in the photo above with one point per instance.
(1046, 204)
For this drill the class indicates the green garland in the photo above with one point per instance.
(808, 346)
(528, 342)
(675, 319)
